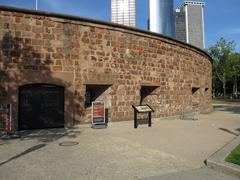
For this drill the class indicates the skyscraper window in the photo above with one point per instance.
(123, 12)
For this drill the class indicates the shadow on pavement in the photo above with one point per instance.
(238, 129)
(231, 109)
(226, 130)
(34, 148)
(45, 135)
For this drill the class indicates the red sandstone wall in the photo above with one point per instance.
(71, 53)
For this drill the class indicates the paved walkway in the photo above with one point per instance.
(120, 151)
(194, 174)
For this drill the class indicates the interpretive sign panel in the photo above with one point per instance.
(98, 112)
(142, 109)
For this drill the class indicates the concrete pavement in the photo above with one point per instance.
(194, 174)
(217, 160)
(120, 151)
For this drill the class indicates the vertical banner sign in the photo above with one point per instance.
(8, 117)
(2, 117)
(98, 112)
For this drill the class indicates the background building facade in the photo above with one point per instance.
(189, 23)
(123, 12)
(161, 17)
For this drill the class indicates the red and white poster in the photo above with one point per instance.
(98, 112)
(2, 117)
(9, 117)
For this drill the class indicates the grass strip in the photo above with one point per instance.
(234, 156)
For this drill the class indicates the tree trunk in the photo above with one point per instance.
(224, 89)
(213, 90)
(235, 88)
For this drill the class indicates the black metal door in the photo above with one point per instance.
(41, 106)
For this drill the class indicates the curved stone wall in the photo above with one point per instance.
(120, 65)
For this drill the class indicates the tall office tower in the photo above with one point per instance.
(189, 23)
(123, 12)
(161, 17)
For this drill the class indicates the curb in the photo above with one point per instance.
(217, 160)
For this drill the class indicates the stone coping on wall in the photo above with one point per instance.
(109, 25)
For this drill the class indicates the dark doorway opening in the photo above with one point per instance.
(93, 92)
(146, 91)
(195, 89)
(41, 106)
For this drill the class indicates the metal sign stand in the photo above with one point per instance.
(142, 109)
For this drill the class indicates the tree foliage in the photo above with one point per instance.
(226, 64)
(234, 68)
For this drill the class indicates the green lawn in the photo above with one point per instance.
(234, 156)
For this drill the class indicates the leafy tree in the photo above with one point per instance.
(214, 76)
(221, 52)
(234, 65)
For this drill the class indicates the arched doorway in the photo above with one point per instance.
(41, 106)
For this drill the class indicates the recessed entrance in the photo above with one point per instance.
(41, 106)
(146, 91)
(93, 92)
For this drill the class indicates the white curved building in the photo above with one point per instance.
(161, 17)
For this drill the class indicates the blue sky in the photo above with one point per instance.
(222, 17)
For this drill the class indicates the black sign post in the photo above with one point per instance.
(142, 109)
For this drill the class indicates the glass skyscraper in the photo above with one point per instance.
(161, 17)
(123, 12)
